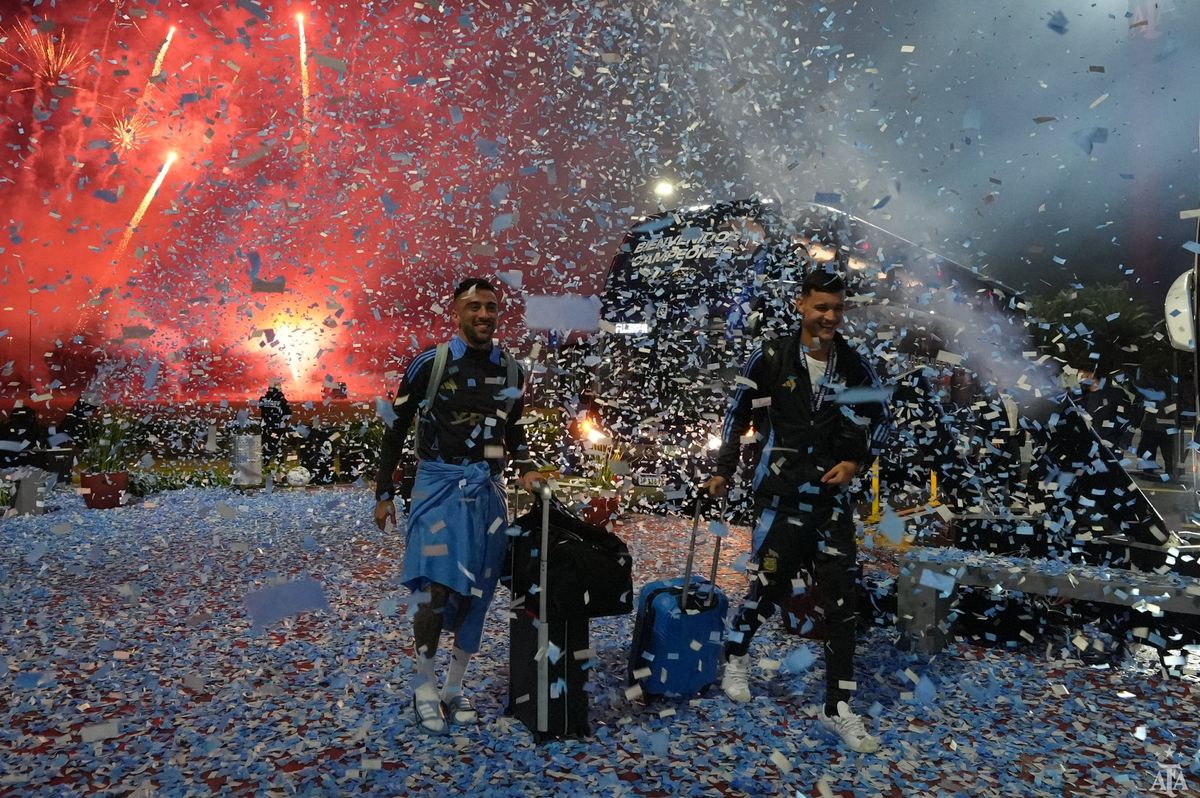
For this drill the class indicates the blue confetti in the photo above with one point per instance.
(385, 411)
(263, 695)
(659, 743)
(150, 380)
(944, 583)
(27, 681)
(271, 604)
(255, 263)
(1087, 138)
(498, 194)
(892, 526)
(254, 8)
(799, 661)
(925, 692)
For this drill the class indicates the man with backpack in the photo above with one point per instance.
(822, 412)
(466, 397)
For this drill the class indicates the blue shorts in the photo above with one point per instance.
(456, 536)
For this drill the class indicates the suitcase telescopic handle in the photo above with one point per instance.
(543, 666)
(691, 556)
(716, 561)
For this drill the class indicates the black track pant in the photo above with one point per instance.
(821, 543)
(1154, 442)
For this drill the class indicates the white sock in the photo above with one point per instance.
(425, 681)
(459, 660)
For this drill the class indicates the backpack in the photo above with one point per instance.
(435, 380)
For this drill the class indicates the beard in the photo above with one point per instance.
(477, 336)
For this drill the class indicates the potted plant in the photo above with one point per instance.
(358, 448)
(104, 474)
(593, 484)
(604, 503)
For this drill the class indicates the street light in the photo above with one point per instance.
(664, 189)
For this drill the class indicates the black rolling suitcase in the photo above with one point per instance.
(548, 660)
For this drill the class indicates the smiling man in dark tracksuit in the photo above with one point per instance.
(456, 533)
(823, 412)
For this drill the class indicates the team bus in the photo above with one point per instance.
(690, 292)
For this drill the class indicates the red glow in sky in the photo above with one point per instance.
(279, 246)
(319, 244)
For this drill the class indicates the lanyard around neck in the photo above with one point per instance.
(818, 395)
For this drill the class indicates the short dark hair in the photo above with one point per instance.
(823, 278)
(473, 284)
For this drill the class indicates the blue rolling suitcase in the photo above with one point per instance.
(680, 630)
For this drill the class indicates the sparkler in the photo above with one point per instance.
(146, 200)
(48, 58)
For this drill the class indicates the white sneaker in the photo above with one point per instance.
(736, 681)
(849, 727)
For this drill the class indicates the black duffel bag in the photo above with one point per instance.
(590, 570)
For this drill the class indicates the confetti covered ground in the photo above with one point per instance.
(130, 666)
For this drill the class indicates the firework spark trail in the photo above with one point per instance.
(91, 96)
(162, 54)
(141, 211)
(94, 95)
(291, 341)
(103, 52)
(303, 74)
(126, 131)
